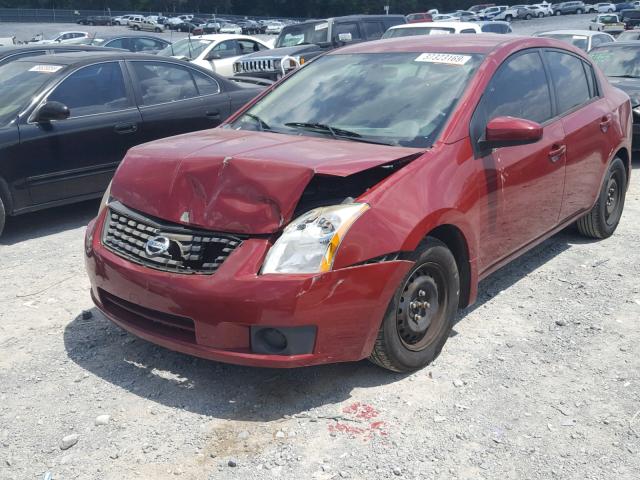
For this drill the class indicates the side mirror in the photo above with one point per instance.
(52, 111)
(511, 131)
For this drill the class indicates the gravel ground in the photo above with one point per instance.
(540, 380)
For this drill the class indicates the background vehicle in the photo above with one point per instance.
(301, 42)
(231, 28)
(490, 12)
(495, 26)
(7, 41)
(464, 15)
(620, 62)
(480, 7)
(605, 7)
(566, 8)
(274, 28)
(249, 27)
(545, 8)
(68, 119)
(58, 37)
(214, 52)
(624, 6)
(148, 25)
(16, 52)
(132, 43)
(521, 12)
(629, 35)
(123, 19)
(607, 22)
(582, 39)
(419, 17)
(537, 147)
(95, 20)
(432, 28)
(630, 18)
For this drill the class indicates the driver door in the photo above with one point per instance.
(222, 57)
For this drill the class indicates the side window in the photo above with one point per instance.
(373, 30)
(161, 82)
(518, 89)
(206, 85)
(468, 30)
(117, 43)
(247, 46)
(350, 27)
(144, 45)
(93, 89)
(604, 39)
(226, 49)
(569, 79)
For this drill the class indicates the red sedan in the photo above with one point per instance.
(351, 210)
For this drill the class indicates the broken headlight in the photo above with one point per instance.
(310, 242)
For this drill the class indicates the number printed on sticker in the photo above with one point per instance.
(446, 58)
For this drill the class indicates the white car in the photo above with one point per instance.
(231, 28)
(58, 37)
(431, 28)
(214, 52)
(605, 7)
(122, 19)
(490, 12)
(607, 22)
(545, 8)
(582, 39)
(134, 19)
(510, 13)
(443, 17)
(148, 25)
(274, 28)
(179, 19)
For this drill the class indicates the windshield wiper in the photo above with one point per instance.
(261, 123)
(337, 133)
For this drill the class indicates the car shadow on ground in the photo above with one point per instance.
(48, 222)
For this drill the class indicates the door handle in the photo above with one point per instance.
(124, 128)
(213, 115)
(556, 152)
(605, 122)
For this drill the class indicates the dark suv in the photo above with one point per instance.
(630, 18)
(301, 42)
(95, 20)
(566, 8)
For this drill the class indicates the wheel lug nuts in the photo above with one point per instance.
(422, 293)
(413, 305)
(416, 317)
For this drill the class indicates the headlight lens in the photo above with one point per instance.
(309, 243)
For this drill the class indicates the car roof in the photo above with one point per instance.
(81, 58)
(54, 47)
(485, 43)
(113, 36)
(583, 33)
(455, 25)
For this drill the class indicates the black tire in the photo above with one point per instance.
(157, 30)
(602, 220)
(527, 16)
(3, 216)
(136, 27)
(508, 18)
(578, 12)
(557, 13)
(540, 15)
(610, 10)
(421, 313)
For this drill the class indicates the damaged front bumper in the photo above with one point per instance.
(238, 316)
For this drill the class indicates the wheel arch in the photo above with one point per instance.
(5, 195)
(624, 155)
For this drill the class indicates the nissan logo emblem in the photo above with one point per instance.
(157, 246)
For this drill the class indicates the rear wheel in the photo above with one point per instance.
(527, 16)
(136, 27)
(420, 315)
(578, 12)
(540, 15)
(602, 220)
(557, 13)
(610, 10)
(157, 30)
(508, 18)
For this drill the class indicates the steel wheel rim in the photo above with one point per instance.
(421, 308)
(613, 199)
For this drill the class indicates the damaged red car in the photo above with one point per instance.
(351, 210)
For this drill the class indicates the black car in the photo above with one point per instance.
(187, 27)
(95, 20)
(67, 120)
(302, 42)
(624, 6)
(630, 18)
(132, 43)
(11, 53)
(250, 27)
(620, 62)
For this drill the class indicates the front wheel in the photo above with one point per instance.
(602, 220)
(540, 15)
(527, 16)
(157, 30)
(557, 13)
(421, 313)
(508, 18)
(610, 10)
(578, 12)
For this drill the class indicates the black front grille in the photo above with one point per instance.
(190, 251)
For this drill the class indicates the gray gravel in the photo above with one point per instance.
(540, 380)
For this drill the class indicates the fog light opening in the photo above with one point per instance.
(274, 338)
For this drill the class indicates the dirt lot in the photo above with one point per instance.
(540, 380)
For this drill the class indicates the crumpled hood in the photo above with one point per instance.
(236, 181)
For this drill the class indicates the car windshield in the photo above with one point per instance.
(20, 81)
(409, 32)
(579, 41)
(619, 61)
(609, 19)
(304, 33)
(389, 98)
(187, 47)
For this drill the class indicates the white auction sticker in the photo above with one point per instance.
(321, 26)
(45, 68)
(447, 58)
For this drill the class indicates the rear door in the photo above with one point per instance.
(175, 99)
(77, 157)
(586, 118)
(524, 184)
